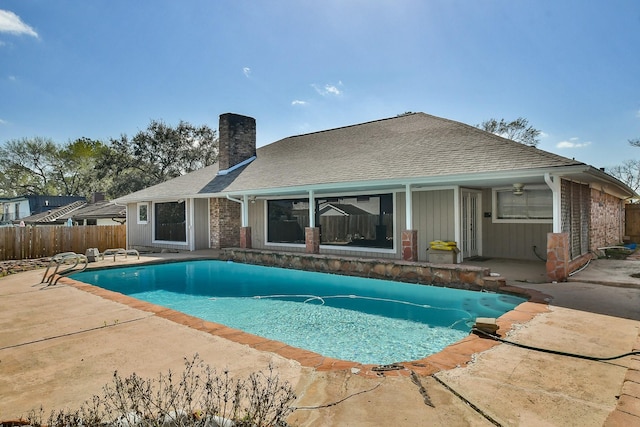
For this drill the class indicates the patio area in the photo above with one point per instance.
(59, 345)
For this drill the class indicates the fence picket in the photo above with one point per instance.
(44, 241)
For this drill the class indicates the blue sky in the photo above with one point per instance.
(102, 68)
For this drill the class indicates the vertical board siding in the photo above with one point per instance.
(46, 241)
(632, 222)
(512, 240)
(433, 217)
(201, 226)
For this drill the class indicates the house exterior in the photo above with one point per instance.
(14, 209)
(385, 189)
(102, 212)
(98, 212)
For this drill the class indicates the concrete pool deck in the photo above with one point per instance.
(59, 345)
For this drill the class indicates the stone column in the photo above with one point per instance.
(558, 256)
(312, 240)
(245, 237)
(410, 245)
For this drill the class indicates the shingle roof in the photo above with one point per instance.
(102, 209)
(415, 145)
(53, 215)
(408, 146)
(202, 181)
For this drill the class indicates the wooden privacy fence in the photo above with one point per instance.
(632, 222)
(45, 241)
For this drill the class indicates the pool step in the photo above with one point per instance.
(493, 283)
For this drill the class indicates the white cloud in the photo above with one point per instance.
(638, 114)
(573, 143)
(246, 71)
(12, 24)
(298, 102)
(3, 122)
(328, 89)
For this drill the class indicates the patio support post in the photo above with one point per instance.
(554, 185)
(312, 233)
(410, 245)
(312, 240)
(558, 256)
(409, 236)
(245, 237)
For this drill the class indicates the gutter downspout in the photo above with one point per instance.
(554, 185)
(244, 214)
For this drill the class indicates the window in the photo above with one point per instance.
(357, 221)
(364, 221)
(287, 220)
(534, 205)
(143, 213)
(170, 223)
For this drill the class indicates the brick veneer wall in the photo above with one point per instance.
(607, 220)
(224, 215)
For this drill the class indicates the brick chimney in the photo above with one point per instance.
(237, 139)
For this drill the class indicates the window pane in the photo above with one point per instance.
(170, 222)
(287, 220)
(533, 204)
(142, 213)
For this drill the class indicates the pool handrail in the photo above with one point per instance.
(60, 259)
(55, 259)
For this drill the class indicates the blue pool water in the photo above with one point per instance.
(349, 318)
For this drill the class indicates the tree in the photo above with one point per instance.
(28, 166)
(629, 171)
(155, 155)
(39, 166)
(75, 165)
(517, 130)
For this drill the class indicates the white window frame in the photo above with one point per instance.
(138, 209)
(494, 202)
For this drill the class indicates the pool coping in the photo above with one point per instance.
(453, 356)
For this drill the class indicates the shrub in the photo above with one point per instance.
(198, 397)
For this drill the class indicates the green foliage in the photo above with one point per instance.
(198, 397)
(517, 130)
(28, 166)
(85, 166)
(155, 155)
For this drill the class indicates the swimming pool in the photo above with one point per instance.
(369, 321)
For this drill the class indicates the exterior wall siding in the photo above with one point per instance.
(201, 225)
(512, 240)
(140, 236)
(433, 217)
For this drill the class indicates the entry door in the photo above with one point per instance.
(470, 223)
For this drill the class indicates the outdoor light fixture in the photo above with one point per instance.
(518, 189)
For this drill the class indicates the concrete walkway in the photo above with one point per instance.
(60, 345)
